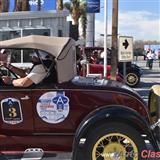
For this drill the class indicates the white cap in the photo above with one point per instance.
(102, 55)
(43, 55)
(2, 51)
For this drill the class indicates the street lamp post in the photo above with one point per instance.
(105, 37)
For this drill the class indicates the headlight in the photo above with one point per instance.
(154, 103)
(154, 109)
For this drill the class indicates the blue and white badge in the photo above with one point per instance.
(11, 111)
(53, 107)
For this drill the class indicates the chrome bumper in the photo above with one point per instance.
(156, 130)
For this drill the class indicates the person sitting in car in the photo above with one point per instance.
(37, 73)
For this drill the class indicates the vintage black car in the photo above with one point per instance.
(94, 119)
(133, 73)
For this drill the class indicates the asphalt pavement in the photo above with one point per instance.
(148, 78)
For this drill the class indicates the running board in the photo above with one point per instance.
(33, 154)
(36, 154)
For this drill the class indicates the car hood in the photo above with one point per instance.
(99, 83)
(96, 84)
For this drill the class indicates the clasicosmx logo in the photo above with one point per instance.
(145, 154)
(150, 154)
(120, 154)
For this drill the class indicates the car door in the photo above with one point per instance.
(51, 111)
(16, 112)
(60, 110)
(53, 126)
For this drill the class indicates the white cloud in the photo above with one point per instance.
(139, 24)
(99, 28)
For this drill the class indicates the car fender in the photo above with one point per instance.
(108, 114)
(135, 70)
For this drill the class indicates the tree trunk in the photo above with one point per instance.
(75, 16)
(77, 10)
(17, 5)
(4, 5)
(21, 5)
(114, 55)
(25, 5)
(59, 4)
(39, 5)
(84, 25)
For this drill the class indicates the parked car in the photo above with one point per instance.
(98, 69)
(91, 67)
(133, 72)
(93, 118)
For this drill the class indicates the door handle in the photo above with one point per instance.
(26, 97)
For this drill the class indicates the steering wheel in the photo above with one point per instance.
(6, 71)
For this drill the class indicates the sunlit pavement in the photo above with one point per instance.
(148, 79)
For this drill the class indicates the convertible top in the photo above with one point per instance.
(62, 48)
(52, 45)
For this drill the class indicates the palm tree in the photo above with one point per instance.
(59, 4)
(4, 5)
(74, 8)
(25, 5)
(21, 5)
(77, 10)
(84, 20)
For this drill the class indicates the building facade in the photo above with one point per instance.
(47, 23)
(18, 24)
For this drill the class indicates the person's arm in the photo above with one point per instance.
(17, 70)
(22, 82)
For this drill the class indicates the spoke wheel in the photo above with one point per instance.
(113, 141)
(132, 79)
(114, 146)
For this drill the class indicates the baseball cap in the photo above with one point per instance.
(2, 51)
(43, 55)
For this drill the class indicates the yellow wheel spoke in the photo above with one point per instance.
(119, 139)
(109, 146)
(128, 145)
(101, 144)
(109, 139)
(98, 154)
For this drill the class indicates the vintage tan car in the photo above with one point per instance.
(94, 119)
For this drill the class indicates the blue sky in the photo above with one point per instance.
(152, 6)
(137, 18)
(46, 4)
